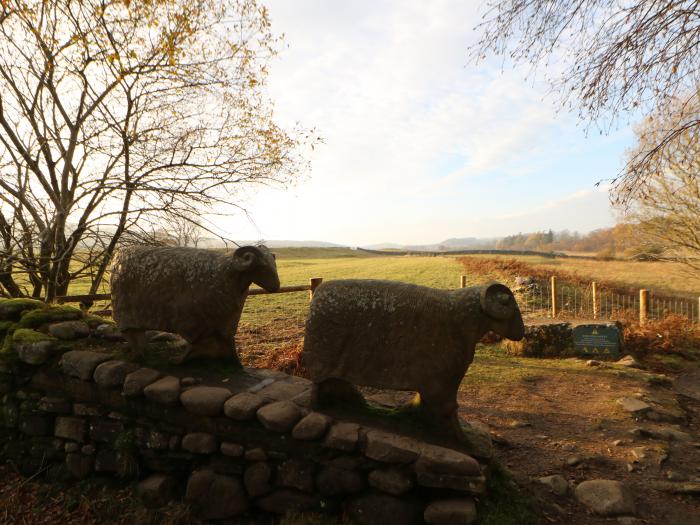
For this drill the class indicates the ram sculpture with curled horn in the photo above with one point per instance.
(393, 335)
(198, 294)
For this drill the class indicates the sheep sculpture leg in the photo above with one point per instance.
(137, 340)
(335, 392)
(440, 409)
(213, 347)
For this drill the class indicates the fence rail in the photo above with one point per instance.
(87, 300)
(536, 299)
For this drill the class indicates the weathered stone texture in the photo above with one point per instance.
(82, 363)
(135, 382)
(280, 416)
(215, 497)
(200, 443)
(243, 406)
(343, 436)
(205, 400)
(312, 426)
(165, 391)
(113, 373)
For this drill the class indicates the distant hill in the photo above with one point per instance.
(453, 244)
(294, 244)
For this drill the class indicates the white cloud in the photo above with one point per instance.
(408, 125)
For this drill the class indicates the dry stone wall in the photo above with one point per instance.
(247, 446)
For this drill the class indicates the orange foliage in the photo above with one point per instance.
(672, 333)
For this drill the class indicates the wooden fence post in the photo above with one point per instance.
(463, 281)
(313, 284)
(643, 306)
(594, 289)
(553, 280)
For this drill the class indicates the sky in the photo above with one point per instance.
(419, 143)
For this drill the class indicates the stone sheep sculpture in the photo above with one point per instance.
(399, 336)
(198, 294)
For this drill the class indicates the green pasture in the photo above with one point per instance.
(438, 272)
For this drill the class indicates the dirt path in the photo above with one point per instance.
(561, 417)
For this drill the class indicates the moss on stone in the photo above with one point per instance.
(52, 314)
(26, 335)
(94, 321)
(12, 309)
(6, 328)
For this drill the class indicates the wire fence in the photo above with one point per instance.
(567, 301)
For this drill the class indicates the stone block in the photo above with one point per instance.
(312, 426)
(72, 428)
(441, 460)
(135, 382)
(280, 416)
(255, 454)
(606, 497)
(284, 390)
(451, 512)
(67, 330)
(112, 374)
(391, 448)
(343, 436)
(390, 480)
(213, 496)
(200, 443)
(35, 353)
(55, 405)
(157, 490)
(231, 449)
(205, 400)
(165, 391)
(257, 479)
(82, 363)
(243, 406)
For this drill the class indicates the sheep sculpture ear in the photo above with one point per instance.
(245, 257)
(497, 301)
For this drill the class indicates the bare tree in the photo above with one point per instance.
(184, 230)
(614, 58)
(114, 113)
(666, 208)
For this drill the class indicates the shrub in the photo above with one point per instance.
(672, 333)
(542, 340)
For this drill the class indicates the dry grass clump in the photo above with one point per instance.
(671, 333)
(508, 269)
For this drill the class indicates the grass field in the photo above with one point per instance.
(272, 324)
(665, 277)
